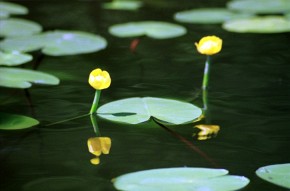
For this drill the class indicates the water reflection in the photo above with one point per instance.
(206, 131)
(98, 145)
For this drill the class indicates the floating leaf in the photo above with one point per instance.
(260, 6)
(72, 42)
(18, 27)
(56, 43)
(23, 43)
(22, 78)
(181, 179)
(137, 110)
(16, 122)
(265, 24)
(3, 14)
(122, 5)
(208, 15)
(12, 8)
(14, 58)
(153, 29)
(278, 174)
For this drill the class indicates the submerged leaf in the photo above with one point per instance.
(18, 27)
(181, 179)
(260, 6)
(14, 58)
(22, 78)
(16, 122)
(208, 15)
(137, 110)
(262, 24)
(153, 29)
(278, 174)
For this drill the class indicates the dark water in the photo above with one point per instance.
(248, 97)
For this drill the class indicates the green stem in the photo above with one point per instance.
(206, 73)
(95, 125)
(95, 102)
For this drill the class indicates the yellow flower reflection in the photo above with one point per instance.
(99, 79)
(209, 45)
(207, 131)
(98, 146)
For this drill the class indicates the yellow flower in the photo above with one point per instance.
(209, 45)
(99, 79)
(99, 145)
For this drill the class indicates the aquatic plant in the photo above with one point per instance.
(99, 80)
(208, 45)
(181, 179)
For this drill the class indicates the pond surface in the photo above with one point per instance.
(248, 96)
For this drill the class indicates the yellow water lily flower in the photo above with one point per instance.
(209, 45)
(99, 79)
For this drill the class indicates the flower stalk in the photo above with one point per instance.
(95, 101)
(206, 73)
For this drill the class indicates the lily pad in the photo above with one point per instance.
(14, 58)
(18, 27)
(4, 15)
(153, 29)
(260, 6)
(181, 179)
(16, 122)
(123, 5)
(56, 43)
(13, 8)
(72, 42)
(23, 78)
(263, 24)
(208, 15)
(137, 110)
(23, 43)
(278, 174)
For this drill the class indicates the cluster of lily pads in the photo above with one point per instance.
(186, 178)
(20, 39)
(243, 16)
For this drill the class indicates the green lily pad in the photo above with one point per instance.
(137, 110)
(18, 27)
(14, 58)
(56, 43)
(278, 174)
(181, 179)
(265, 24)
(16, 122)
(22, 78)
(23, 43)
(208, 15)
(4, 15)
(260, 6)
(123, 5)
(72, 42)
(153, 29)
(13, 8)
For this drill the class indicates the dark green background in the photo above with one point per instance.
(248, 97)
